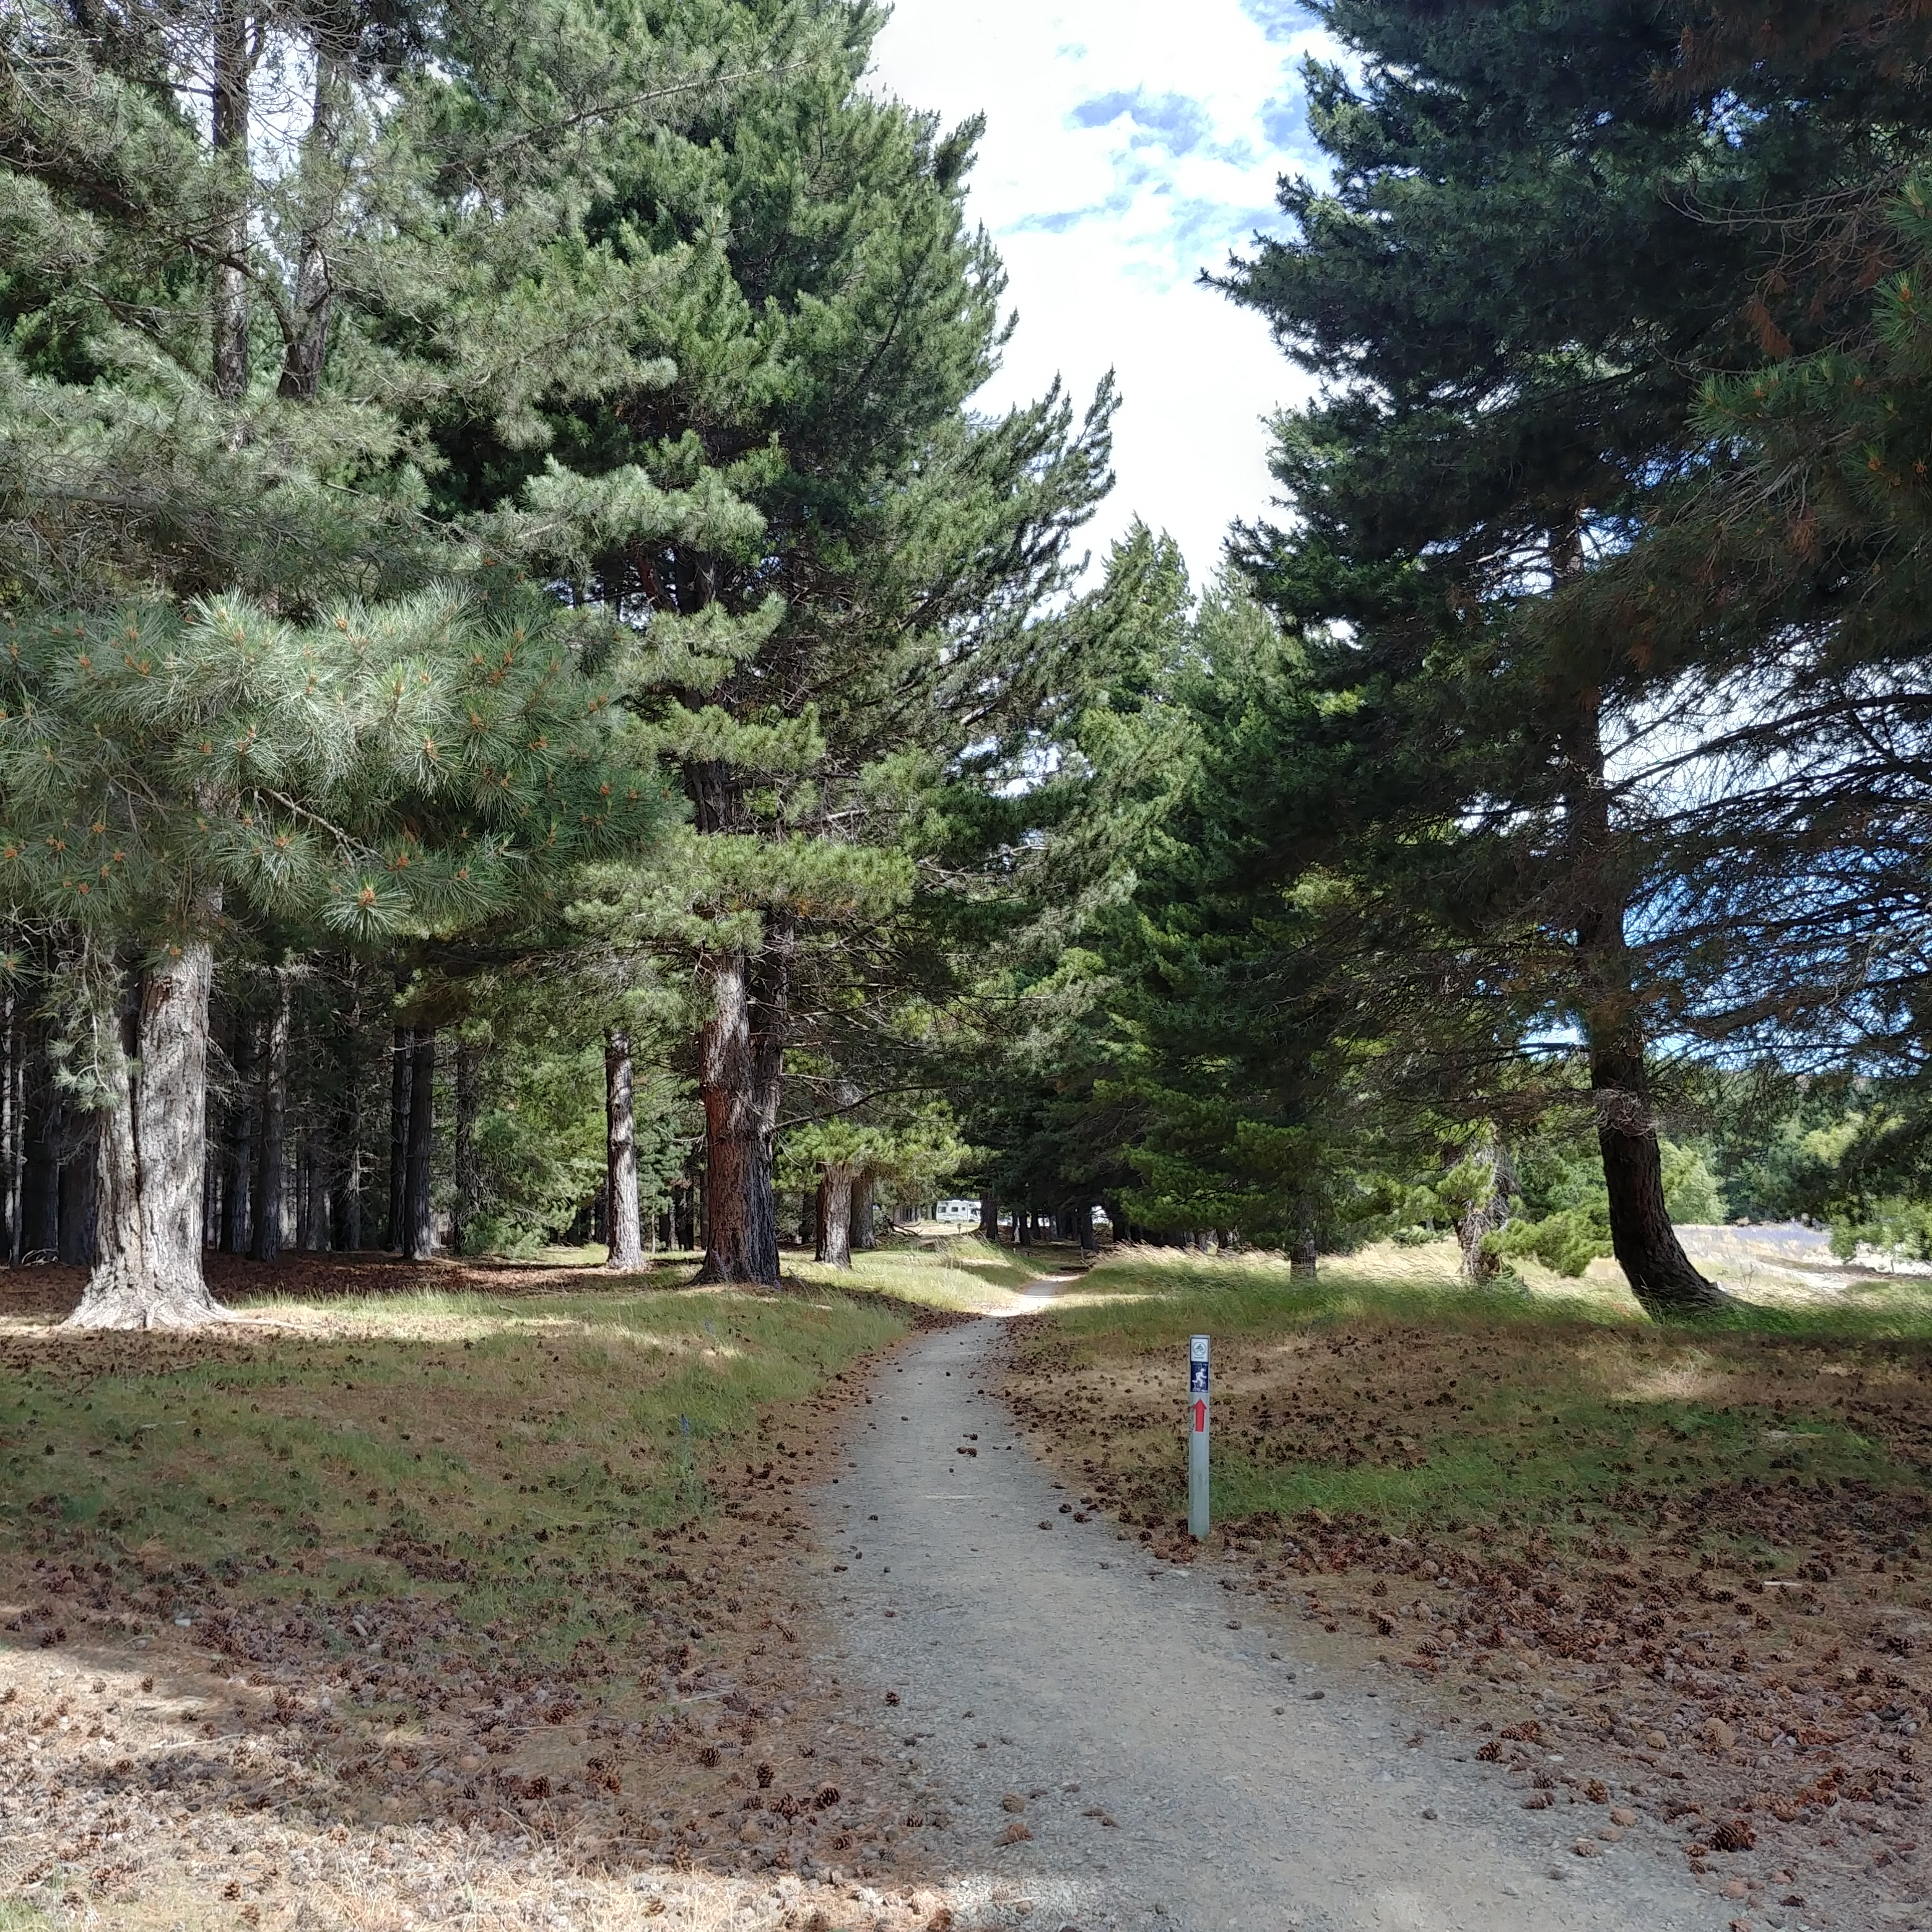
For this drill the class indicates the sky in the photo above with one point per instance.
(1127, 149)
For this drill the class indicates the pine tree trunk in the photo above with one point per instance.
(272, 1158)
(837, 1220)
(305, 344)
(77, 1192)
(741, 1242)
(40, 1183)
(989, 1217)
(10, 1118)
(620, 1157)
(1304, 1253)
(418, 1222)
(864, 1237)
(1661, 1275)
(401, 1045)
(305, 1172)
(1488, 1212)
(469, 1169)
(229, 130)
(348, 1192)
(1088, 1245)
(238, 1152)
(148, 1261)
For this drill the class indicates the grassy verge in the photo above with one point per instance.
(959, 1274)
(1696, 1554)
(476, 1450)
(1424, 1404)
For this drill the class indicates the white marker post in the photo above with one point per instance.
(1197, 1438)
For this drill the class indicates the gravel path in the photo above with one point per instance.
(1172, 1770)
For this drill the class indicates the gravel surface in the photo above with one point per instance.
(1112, 1748)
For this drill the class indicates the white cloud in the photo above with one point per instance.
(1127, 149)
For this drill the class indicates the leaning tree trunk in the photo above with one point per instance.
(837, 1217)
(147, 1255)
(1488, 1211)
(418, 1221)
(741, 1236)
(1660, 1274)
(272, 1151)
(620, 1158)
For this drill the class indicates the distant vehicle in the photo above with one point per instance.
(966, 1211)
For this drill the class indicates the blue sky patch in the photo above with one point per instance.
(1170, 120)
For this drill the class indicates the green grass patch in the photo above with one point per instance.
(1385, 1389)
(960, 1273)
(481, 1450)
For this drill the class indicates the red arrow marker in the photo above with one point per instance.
(1200, 1416)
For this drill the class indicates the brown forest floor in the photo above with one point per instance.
(418, 1602)
(1692, 1565)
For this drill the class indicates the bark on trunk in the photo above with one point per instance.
(237, 1151)
(837, 1195)
(401, 1044)
(418, 1226)
(39, 1182)
(1303, 1254)
(148, 1265)
(271, 1154)
(620, 1157)
(741, 1242)
(864, 1239)
(1661, 1275)
(305, 345)
(1488, 1212)
(348, 1192)
(229, 130)
(77, 1185)
(10, 1126)
(469, 1169)
(989, 1217)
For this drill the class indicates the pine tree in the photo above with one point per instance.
(1539, 225)
(162, 774)
(843, 654)
(416, 259)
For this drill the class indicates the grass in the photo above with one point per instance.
(476, 1449)
(960, 1273)
(1385, 1389)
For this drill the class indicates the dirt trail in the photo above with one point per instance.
(1171, 1767)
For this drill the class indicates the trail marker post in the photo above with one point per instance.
(1197, 1437)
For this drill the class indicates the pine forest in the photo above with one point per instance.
(556, 753)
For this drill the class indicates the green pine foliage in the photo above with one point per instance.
(406, 769)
